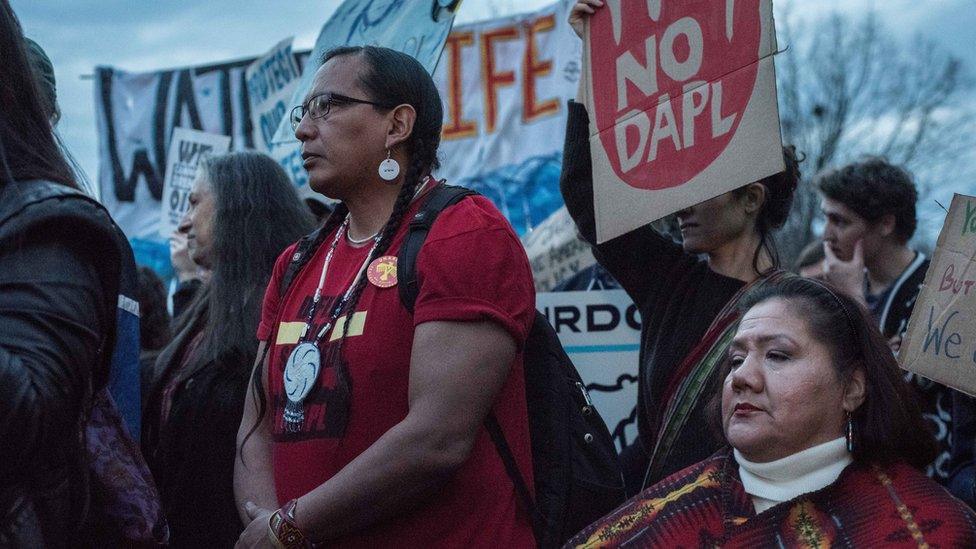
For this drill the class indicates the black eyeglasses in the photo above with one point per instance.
(319, 105)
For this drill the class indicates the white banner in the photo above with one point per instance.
(186, 151)
(600, 331)
(271, 81)
(136, 115)
(504, 84)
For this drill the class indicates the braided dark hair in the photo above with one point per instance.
(390, 78)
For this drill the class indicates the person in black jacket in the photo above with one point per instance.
(680, 289)
(243, 212)
(59, 284)
(123, 381)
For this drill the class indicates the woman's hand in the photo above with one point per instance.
(579, 13)
(179, 255)
(256, 533)
(183, 266)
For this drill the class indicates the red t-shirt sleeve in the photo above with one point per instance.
(272, 294)
(473, 267)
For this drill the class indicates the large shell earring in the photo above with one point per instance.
(389, 168)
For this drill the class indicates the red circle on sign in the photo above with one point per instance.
(679, 110)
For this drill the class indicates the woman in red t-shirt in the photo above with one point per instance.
(364, 427)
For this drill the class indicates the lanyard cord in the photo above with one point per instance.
(359, 242)
(337, 310)
(340, 305)
(318, 290)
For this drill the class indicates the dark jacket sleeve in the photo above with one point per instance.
(54, 314)
(641, 259)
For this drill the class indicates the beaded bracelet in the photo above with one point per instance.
(282, 530)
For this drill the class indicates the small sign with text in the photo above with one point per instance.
(941, 340)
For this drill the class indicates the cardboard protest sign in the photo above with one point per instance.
(271, 82)
(600, 331)
(187, 149)
(555, 251)
(682, 105)
(941, 340)
(416, 28)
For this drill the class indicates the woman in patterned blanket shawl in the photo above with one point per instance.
(826, 444)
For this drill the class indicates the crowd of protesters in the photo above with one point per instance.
(305, 392)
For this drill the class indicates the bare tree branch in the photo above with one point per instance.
(848, 89)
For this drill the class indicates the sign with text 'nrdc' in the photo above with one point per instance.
(600, 331)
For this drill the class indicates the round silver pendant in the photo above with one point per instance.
(301, 371)
(389, 169)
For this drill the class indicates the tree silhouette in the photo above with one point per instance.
(848, 88)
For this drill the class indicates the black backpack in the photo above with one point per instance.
(574, 461)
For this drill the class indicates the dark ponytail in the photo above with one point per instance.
(780, 189)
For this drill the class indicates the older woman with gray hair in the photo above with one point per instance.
(825, 443)
(243, 212)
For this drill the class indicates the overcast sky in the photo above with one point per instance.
(151, 35)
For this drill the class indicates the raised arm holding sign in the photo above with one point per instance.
(686, 292)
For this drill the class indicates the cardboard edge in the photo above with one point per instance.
(916, 325)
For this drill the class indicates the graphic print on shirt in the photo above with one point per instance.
(318, 422)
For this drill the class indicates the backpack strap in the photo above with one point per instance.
(511, 467)
(440, 197)
(303, 253)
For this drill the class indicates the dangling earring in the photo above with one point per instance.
(850, 433)
(389, 168)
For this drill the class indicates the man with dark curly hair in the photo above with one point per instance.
(869, 209)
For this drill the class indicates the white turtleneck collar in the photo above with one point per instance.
(784, 479)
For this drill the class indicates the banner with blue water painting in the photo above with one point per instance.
(504, 83)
